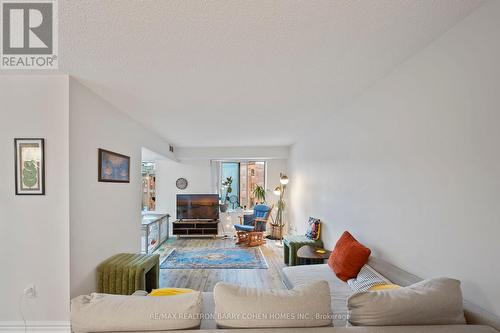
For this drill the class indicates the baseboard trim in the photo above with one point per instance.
(35, 326)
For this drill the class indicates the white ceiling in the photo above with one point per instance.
(232, 73)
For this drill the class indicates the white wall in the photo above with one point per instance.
(34, 230)
(274, 168)
(105, 217)
(412, 167)
(233, 153)
(196, 172)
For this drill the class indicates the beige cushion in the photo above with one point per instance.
(294, 276)
(307, 305)
(107, 313)
(430, 302)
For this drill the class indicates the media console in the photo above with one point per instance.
(195, 228)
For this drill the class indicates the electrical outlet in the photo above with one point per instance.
(30, 291)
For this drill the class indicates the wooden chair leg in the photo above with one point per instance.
(242, 237)
(256, 238)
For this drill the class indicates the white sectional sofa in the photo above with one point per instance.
(479, 321)
(476, 317)
(339, 290)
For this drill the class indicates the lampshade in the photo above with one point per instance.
(277, 190)
(284, 180)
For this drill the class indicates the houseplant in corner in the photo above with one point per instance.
(260, 194)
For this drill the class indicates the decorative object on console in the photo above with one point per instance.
(223, 207)
(29, 163)
(251, 229)
(313, 228)
(278, 224)
(181, 183)
(215, 258)
(348, 257)
(113, 167)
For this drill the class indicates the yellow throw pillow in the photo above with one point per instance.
(384, 287)
(170, 291)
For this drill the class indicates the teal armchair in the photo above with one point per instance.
(252, 226)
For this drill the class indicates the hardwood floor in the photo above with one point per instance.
(205, 279)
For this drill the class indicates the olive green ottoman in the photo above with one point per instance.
(125, 273)
(292, 243)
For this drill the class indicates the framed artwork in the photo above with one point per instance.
(113, 167)
(30, 166)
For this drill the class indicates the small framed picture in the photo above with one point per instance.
(30, 166)
(113, 167)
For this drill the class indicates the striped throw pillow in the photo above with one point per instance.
(367, 278)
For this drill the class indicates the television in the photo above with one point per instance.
(197, 207)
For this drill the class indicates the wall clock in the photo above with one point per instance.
(181, 183)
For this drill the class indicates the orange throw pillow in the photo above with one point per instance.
(348, 257)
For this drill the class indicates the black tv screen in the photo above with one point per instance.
(197, 206)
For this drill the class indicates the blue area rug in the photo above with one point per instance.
(216, 258)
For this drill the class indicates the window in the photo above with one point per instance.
(245, 177)
(231, 191)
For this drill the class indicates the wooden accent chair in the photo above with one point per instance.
(251, 229)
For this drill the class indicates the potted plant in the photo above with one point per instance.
(226, 184)
(260, 194)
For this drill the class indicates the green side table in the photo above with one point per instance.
(309, 255)
(292, 243)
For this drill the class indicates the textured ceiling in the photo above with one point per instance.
(228, 73)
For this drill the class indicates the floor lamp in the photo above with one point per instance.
(280, 191)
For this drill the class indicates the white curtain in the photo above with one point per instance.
(215, 181)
